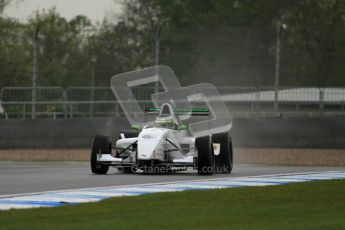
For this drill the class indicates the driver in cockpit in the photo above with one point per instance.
(166, 117)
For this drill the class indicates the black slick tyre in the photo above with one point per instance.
(101, 145)
(223, 160)
(205, 155)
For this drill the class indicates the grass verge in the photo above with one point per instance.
(310, 205)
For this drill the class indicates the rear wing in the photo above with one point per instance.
(180, 111)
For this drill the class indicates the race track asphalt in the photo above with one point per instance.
(30, 177)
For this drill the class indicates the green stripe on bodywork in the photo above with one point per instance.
(137, 127)
(182, 127)
(152, 109)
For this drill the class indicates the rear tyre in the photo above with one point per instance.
(205, 155)
(101, 145)
(224, 160)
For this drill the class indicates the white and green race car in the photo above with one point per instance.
(165, 146)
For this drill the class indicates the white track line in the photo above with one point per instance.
(171, 182)
(61, 197)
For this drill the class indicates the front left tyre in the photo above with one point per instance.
(101, 145)
(205, 155)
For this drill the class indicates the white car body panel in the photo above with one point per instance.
(109, 158)
(188, 159)
(125, 142)
(150, 144)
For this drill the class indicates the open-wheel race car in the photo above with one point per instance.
(164, 146)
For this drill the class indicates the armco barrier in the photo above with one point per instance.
(291, 132)
(320, 132)
(60, 133)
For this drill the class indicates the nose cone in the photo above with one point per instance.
(150, 140)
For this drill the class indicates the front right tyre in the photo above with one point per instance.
(101, 145)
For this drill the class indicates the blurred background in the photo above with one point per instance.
(273, 60)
